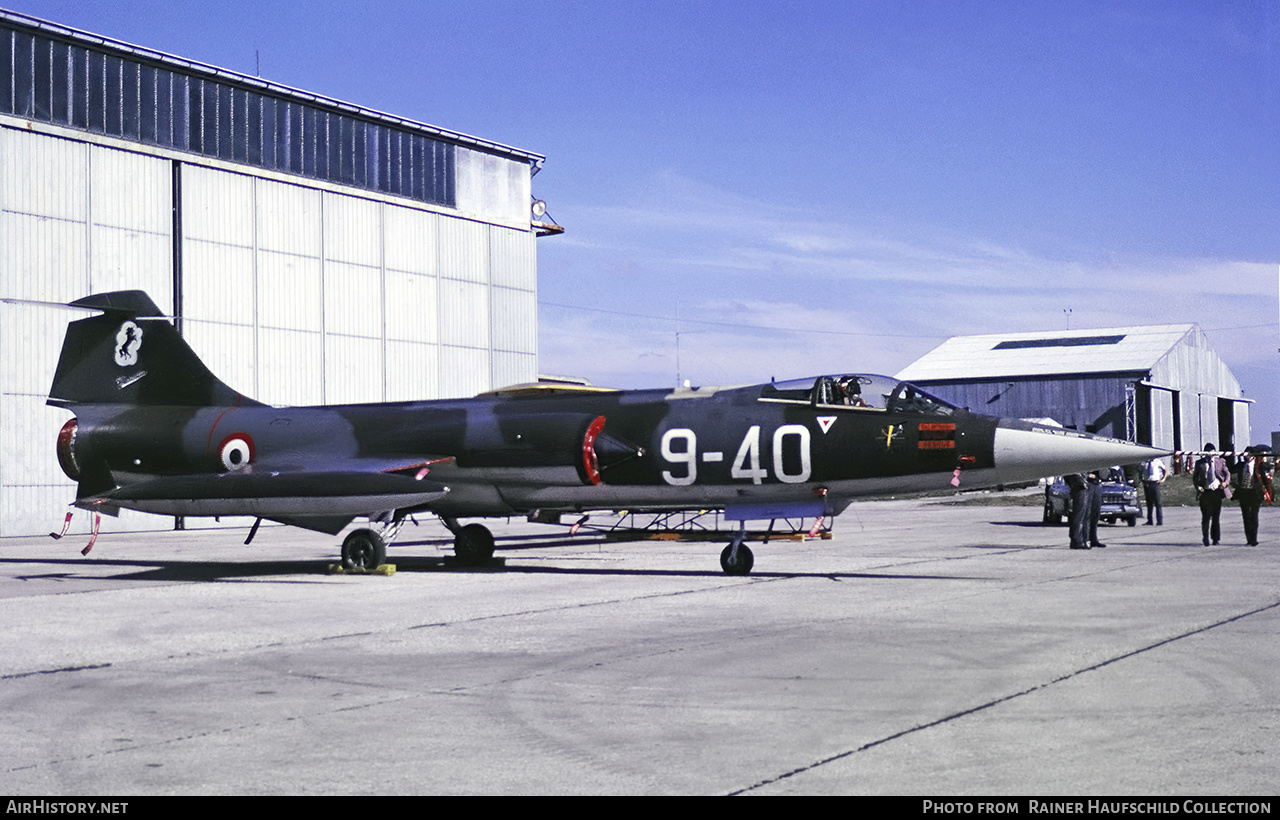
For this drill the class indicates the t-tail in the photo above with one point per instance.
(132, 354)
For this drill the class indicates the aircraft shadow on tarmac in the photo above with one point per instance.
(409, 566)
(1122, 535)
(166, 570)
(1037, 525)
(288, 571)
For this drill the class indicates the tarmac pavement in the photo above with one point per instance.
(926, 649)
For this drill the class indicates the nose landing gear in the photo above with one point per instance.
(737, 559)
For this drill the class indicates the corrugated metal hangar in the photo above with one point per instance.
(1160, 385)
(310, 250)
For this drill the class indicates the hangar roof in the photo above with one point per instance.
(1002, 355)
(73, 79)
(104, 44)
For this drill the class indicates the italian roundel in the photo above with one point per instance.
(236, 451)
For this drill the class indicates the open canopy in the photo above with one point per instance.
(859, 390)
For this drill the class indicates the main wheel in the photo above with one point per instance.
(473, 545)
(363, 549)
(745, 560)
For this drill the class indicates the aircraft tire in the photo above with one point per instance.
(473, 545)
(746, 560)
(363, 549)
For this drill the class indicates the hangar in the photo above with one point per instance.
(311, 251)
(1160, 385)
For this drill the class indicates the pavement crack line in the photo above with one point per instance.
(964, 713)
(17, 675)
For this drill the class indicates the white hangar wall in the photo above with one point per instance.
(1209, 401)
(74, 218)
(301, 296)
(292, 293)
(409, 272)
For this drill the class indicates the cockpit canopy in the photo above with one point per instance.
(859, 390)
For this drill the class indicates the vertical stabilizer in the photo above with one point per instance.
(131, 354)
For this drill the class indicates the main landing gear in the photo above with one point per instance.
(363, 549)
(737, 559)
(366, 549)
(472, 544)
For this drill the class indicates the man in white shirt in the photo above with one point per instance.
(1153, 475)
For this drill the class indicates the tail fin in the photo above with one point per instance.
(131, 354)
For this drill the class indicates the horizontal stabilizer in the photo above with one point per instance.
(127, 303)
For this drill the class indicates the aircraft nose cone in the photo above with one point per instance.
(1036, 452)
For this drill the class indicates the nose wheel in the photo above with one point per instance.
(737, 559)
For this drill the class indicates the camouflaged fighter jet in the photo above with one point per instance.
(156, 431)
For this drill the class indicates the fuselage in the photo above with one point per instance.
(156, 431)
(806, 442)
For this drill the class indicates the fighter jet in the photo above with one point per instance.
(154, 430)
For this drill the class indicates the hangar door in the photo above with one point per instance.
(75, 219)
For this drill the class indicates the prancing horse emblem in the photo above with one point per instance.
(128, 342)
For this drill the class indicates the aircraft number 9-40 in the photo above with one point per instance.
(680, 449)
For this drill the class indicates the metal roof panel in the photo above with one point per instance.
(1106, 350)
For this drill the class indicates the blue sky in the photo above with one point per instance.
(756, 190)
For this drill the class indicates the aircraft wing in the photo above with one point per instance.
(330, 492)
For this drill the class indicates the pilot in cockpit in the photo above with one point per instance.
(849, 391)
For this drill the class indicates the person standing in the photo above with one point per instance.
(1078, 515)
(1253, 486)
(1211, 479)
(1153, 475)
(1095, 508)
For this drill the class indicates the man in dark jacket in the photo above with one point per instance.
(1253, 486)
(1095, 508)
(1213, 484)
(1078, 515)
